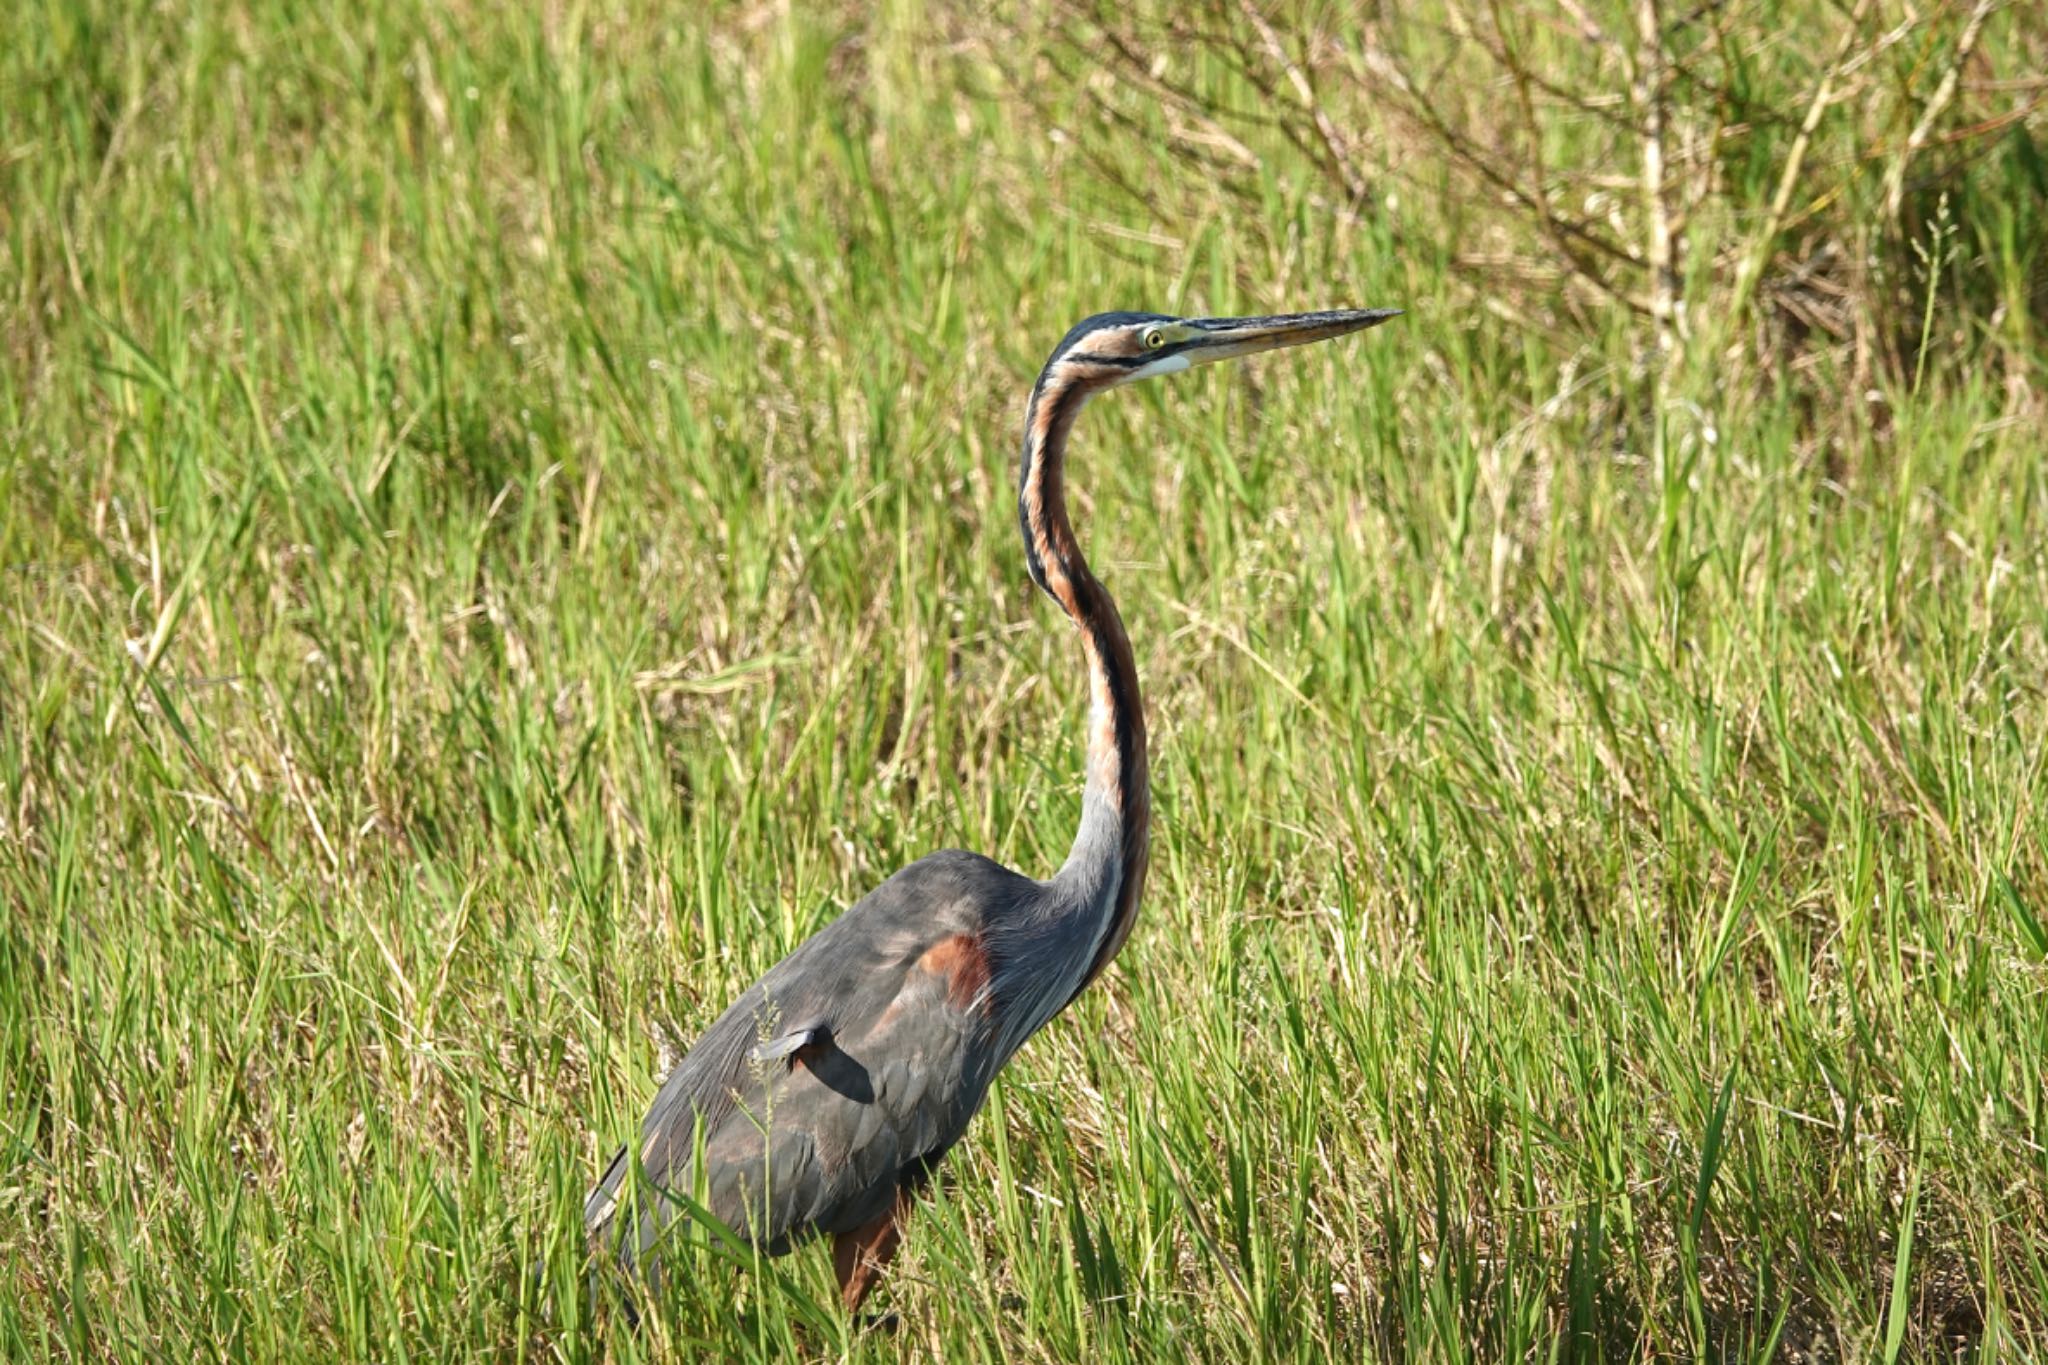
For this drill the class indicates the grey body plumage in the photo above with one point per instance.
(876, 1097)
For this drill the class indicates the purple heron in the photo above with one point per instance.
(822, 1099)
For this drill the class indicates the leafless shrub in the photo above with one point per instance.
(1731, 177)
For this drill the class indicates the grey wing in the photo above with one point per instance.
(842, 1074)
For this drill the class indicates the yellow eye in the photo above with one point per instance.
(1154, 339)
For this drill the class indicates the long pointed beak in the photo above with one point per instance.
(1225, 338)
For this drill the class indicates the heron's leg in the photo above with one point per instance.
(859, 1255)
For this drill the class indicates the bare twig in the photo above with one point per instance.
(1895, 176)
(1336, 157)
(1649, 91)
(1566, 237)
(1759, 253)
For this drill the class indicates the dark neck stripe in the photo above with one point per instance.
(1032, 562)
(1117, 784)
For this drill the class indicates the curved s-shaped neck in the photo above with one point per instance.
(1106, 868)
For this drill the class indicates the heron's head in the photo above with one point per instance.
(1120, 348)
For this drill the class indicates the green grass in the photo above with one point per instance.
(506, 526)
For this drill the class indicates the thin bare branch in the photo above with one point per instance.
(1761, 245)
(1337, 157)
(1649, 90)
(1566, 237)
(1895, 176)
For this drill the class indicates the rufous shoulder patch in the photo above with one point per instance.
(962, 963)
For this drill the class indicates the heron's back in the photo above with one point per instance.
(839, 1077)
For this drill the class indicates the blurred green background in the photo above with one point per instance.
(506, 525)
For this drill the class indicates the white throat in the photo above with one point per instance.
(1166, 364)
